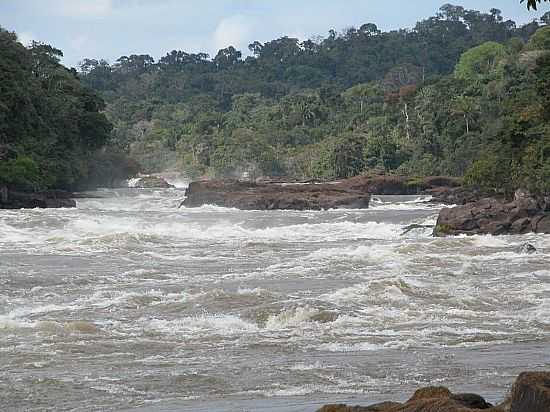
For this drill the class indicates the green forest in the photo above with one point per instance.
(53, 130)
(463, 93)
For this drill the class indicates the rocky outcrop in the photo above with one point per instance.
(525, 214)
(460, 195)
(278, 194)
(271, 196)
(151, 182)
(530, 393)
(400, 185)
(30, 200)
(432, 399)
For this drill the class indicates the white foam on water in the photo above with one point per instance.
(291, 318)
(10, 323)
(308, 366)
(349, 347)
(225, 325)
(368, 253)
(87, 234)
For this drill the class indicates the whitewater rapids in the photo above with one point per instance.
(128, 302)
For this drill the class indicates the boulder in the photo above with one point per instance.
(431, 399)
(270, 196)
(531, 393)
(492, 216)
(31, 200)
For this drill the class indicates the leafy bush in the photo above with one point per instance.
(22, 172)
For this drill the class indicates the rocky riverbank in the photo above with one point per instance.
(524, 214)
(10, 199)
(530, 393)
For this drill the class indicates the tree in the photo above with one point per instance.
(540, 40)
(361, 93)
(533, 3)
(480, 62)
(466, 107)
(227, 58)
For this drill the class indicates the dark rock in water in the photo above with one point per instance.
(528, 249)
(269, 196)
(30, 200)
(524, 214)
(350, 193)
(433, 399)
(399, 185)
(152, 182)
(415, 226)
(531, 393)
(379, 407)
(457, 195)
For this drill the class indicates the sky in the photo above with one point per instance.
(109, 29)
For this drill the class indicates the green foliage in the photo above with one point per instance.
(540, 40)
(47, 116)
(343, 105)
(490, 172)
(22, 172)
(481, 62)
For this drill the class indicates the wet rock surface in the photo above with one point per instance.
(353, 193)
(524, 214)
(530, 393)
(270, 196)
(30, 200)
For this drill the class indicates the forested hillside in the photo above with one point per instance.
(52, 129)
(462, 92)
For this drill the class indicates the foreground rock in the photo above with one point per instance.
(274, 196)
(151, 182)
(525, 214)
(530, 393)
(30, 200)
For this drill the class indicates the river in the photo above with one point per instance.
(128, 302)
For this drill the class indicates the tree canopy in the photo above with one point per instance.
(51, 126)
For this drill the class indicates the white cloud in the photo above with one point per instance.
(83, 8)
(26, 38)
(233, 31)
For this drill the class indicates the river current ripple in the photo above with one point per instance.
(128, 302)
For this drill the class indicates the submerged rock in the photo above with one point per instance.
(31, 200)
(525, 214)
(527, 249)
(270, 196)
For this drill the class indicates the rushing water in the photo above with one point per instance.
(129, 302)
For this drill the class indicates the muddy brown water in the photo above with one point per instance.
(129, 303)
